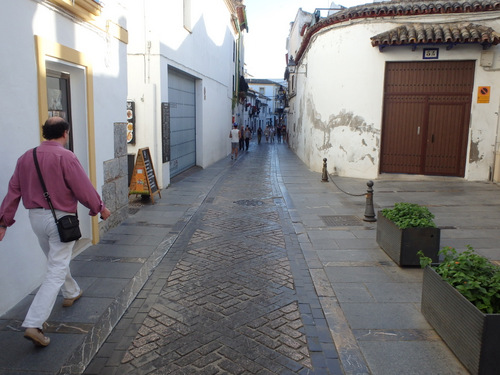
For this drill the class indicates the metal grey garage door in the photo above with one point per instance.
(181, 96)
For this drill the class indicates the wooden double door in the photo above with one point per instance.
(426, 117)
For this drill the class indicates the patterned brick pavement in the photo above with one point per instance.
(232, 296)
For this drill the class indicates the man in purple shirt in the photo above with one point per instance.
(67, 184)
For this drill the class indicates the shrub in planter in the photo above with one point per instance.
(404, 230)
(461, 301)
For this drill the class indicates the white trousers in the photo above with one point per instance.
(57, 276)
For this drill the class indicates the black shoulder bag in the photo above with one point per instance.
(68, 226)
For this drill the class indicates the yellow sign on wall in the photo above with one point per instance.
(483, 94)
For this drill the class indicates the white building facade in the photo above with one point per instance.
(255, 111)
(67, 59)
(394, 88)
(274, 91)
(185, 61)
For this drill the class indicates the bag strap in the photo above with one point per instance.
(45, 192)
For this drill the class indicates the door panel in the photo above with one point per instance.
(402, 143)
(181, 96)
(445, 150)
(444, 139)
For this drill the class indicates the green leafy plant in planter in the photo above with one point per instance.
(474, 276)
(410, 215)
(405, 229)
(461, 301)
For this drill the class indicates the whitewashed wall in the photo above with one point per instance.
(205, 53)
(295, 38)
(337, 112)
(22, 262)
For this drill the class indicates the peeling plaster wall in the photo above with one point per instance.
(334, 107)
(337, 110)
(484, 121)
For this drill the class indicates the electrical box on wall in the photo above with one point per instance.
(487, 58)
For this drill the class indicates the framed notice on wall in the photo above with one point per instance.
(131, 122)
(143, 180)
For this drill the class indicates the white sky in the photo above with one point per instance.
(269, 24)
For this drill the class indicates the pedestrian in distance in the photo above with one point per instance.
(235, 136)
(248, 136)
(67, 184)
(266, 133)
(284, 134)
(259, 135)
(278, 133)
(242, 138)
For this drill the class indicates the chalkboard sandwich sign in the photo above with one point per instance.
(143, 180)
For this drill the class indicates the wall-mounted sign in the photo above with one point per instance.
(165, 131)
(430, 54)
(483, 94)
(131, 122)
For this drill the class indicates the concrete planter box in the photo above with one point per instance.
(402, 245)
(474, 337)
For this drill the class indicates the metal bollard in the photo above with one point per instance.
(324, 177)
(369, 211)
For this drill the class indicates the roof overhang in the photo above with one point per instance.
(449, 34)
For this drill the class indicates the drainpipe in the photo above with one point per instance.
(495, 177)
(487, 62)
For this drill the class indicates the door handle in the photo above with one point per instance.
(418, 130)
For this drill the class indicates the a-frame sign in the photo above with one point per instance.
(143, 180)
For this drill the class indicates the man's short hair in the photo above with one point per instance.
(54, 128)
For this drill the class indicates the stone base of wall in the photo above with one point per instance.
(115, 188)
(496, 172)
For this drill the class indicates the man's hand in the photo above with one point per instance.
(2, 232)
(105, 213)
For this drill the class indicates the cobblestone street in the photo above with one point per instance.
(233, 294)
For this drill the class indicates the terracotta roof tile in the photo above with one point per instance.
(452, 33)
(399, 8)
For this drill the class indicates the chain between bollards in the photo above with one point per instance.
(369, 211)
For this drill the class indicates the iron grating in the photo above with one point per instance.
(341, 220)
(249, 202)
